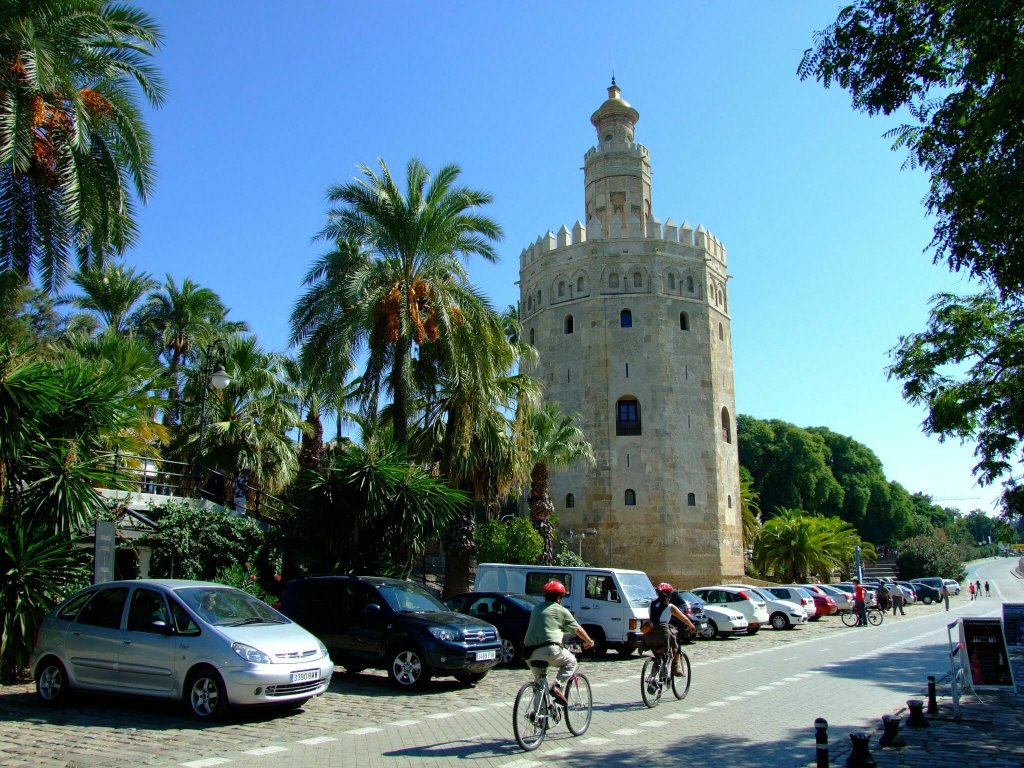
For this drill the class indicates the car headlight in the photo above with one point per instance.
(250, 654)
(324, 653)
(446, 634)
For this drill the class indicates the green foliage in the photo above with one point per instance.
(568, 557)
(795, 545)
(37, 570)
(931, 555)
(243, 576)
(513, 541)
(956, 68)
(193, 542)
(371, 511)
(966, 369)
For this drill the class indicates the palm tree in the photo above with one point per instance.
(112, 292)
(413, 289)
(73, 144)
(750, 509)
(557, 443)
(795, 545)
(179, 321)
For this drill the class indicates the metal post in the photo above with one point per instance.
(933, 705)
(891, 736)
(202, 423)
(917, 718)
(857, 564)
(821, 742)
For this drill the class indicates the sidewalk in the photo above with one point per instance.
(989, 734)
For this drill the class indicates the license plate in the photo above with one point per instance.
(307, 674)
(486, 655)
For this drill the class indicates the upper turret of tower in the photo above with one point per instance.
(615, 119)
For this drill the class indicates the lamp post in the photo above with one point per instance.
(218, 379)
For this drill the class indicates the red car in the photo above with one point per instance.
(824, 604)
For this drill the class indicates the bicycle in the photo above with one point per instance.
(536, 710)
(875, 617)
(657, 673)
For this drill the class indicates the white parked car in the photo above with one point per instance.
(753, 608)
(721, 622)
(798, 595)
(952, 586)
(843, 600)
(782, 614)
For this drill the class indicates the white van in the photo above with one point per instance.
(610, 603)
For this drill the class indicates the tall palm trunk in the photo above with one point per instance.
(400, 420)
(541, 509)
(312, 452)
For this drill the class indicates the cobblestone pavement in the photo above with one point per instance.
(106, 731)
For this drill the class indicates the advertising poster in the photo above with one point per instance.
(985, 660)
(1013, 624)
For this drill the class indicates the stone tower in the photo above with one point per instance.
(631, 320)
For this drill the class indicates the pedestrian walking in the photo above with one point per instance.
(977, 587)
(986, 589)
(897, 599)
(945, 596)
(970, 588)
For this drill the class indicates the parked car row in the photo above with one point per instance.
(210, 645)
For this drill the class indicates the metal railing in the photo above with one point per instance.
(161, 477)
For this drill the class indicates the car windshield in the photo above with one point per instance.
(409, 598)
(227, 607)
(806, 593)
(526, 601)
(764, 595)
(638, 588)
(691, 598)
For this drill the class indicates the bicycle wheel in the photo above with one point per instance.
(651, 684)
(528, 725)
(580, 706)
(681, 685)
(875, 618)
(849, 618)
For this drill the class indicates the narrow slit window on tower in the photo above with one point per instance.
(689, 283)
(671, 281)
(568, 323)
(684, 321)
(539, 299)
(625, 319)
(570, 501)
(627, 370)
(568, 376)
(638, 280)
(627, 416)
(630, 497)
(729, 500)
(532, 337)
(721, 332)
(691, 500)
(561, 288)
(579, 285)
(726, 426)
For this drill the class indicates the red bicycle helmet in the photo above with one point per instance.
(554, 587)
(665, 587)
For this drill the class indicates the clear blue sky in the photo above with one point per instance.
(270, 103)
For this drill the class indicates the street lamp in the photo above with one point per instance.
(218, 379)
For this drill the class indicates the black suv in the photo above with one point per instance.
(371, 621)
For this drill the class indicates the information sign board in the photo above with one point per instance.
(1013, 624)
(985, 658)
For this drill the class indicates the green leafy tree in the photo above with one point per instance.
(414, 288)
(795, 545)
(512, 541)
(750, 508)
(967, 369)
(557, 442)
(931, 555)
(74, 147)
(954, 66)
(567, 557)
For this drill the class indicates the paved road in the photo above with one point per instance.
(754, 699)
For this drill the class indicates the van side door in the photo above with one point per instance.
(601, 604)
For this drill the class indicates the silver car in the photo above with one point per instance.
(211, 646)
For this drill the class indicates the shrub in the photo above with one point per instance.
(515, 541)
(931, 555)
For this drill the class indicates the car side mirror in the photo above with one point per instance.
(371, 608)
(162, 628)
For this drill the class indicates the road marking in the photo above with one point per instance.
(441, 715)
(789, 658)
(677, 716)
(206, 763)
(748, 669)
(652, 724)
(734, 698)
(751, 693)
(316, 740)
(473, 709)
(599, 685)
(626, 732)
(502, 704)
(595, 741)
(764, 687)
(265, 751)
(718, 704)
(802, 674)
(404, 723)
(697, 709)
(617, 680)
(557, 751)
(790, 679)
(364, 731)
(521, 764)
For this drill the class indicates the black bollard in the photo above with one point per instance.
(933, 705)
(821, 742)
(860, 756)
(917, 718)
(891, 737)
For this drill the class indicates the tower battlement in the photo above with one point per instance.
(652, 229)
(618, 148)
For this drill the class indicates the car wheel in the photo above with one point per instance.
(352, 669)
(508, 653)
(469, 678)
(625, 650)
(407, 669)
(206, 695)
(52, 682)
(780, 620)
(753, 630)
(927, 599)
(600, 646)
(710, 632)
(815, 617)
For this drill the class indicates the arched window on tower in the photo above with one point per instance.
(570, 501)
(627, 416)
(638, 280)
(561, 288)
(568, 323)
(538, 298)
(579, 285)
(630, 497)
(625, 319)
(691, 499)
(684, 321)
(531, 337)
(613, 280)
(671, 281)
(721, 332)
(529, 304)
(689, 283)
(726, 426)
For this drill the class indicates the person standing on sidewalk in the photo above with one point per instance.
(977, 587)
(987, 594)
(970, 588)
(896, 598)
(860, 603)
(945, 596)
